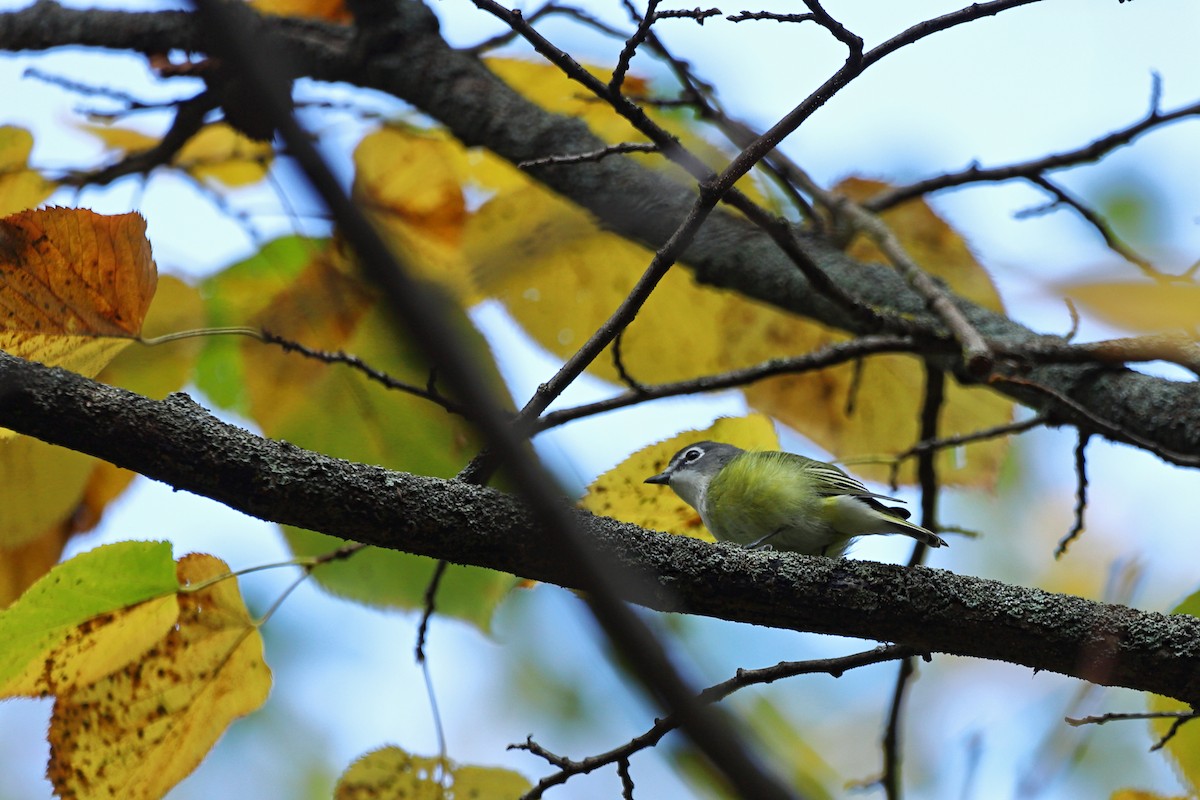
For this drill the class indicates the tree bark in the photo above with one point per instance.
(179, 443)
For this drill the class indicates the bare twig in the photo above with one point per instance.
(830, 355)
(890, 779)
(626, 779)
(129, 102)
(430, 605)
(994, 432)
(977, 353)
(619, 364)
(748, 16)
(591, 155)
(1091, 152)
(1111, 239)
(1081, 487)
(354, 362)
(189, 119)
(633, 42)
(547, 10)
(1083, 417)
(1179, 717)
(1176, 348)
(931, 409)
(568, 768)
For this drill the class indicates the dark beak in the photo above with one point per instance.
(661, 478)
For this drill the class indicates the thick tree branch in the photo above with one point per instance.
(179, 443)
(411, 61)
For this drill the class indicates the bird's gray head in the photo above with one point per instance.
(691, 469)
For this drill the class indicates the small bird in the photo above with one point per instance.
(781, 500)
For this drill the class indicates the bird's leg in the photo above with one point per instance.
(762, 543)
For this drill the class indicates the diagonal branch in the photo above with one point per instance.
(413, 62)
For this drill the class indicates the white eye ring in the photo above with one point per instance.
(693, 454)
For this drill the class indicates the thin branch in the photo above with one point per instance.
(619, 364)
(545, 11)
(1111, 239)
(526, 421)
(626, 779)
(838, 666)
(429, 392)
(1177, 348)
(430, 605)
(931, 410)
(828, 356)
(1084, 417)
(891, 738)
(129, 102)
(189, 119)
(1091, 152)
(632, 43)
(994, 432)
(591, 155)
(750, 16)
(1081, 487)
(977, 353)
(1179, 719)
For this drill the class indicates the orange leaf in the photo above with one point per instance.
(331, 10)
(74, 285)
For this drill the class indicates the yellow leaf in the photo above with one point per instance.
(875, 414)
(390, 773)
(22, 565)
(935, 246)
(140, 730)
(216, 152)
(547, 86)
(1143, 307)
(219, 153)
(1140, 794)
(411, 181)
(40, 487)
(74, 285)
(20, 186)
(560, 277)
(331, 10)
(119, 139)
(97, 648)
(487, 783)
(622, 493)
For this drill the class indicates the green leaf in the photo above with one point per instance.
(108, 578)
(390, 579)
(232, 298)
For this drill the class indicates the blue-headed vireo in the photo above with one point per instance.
(781, 500)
